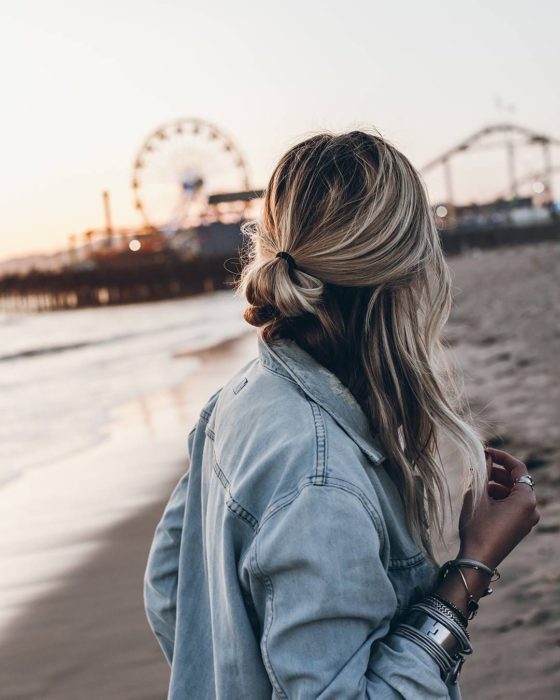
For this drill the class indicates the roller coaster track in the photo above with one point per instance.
(476, 142)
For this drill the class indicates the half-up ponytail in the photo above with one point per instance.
(273, 285)
(368, 298)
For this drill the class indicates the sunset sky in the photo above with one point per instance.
(83, 83)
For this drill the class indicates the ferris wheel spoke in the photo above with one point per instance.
(179, 166)
(183, 213)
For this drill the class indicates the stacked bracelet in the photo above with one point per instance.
(436, 628)
(462, 641)
(419, 632)
(472, 604)
(449, 609)
(440, 627)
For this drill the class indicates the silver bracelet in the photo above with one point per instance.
(479, 566)
(441, 613)
(444, 639)
(450, 668)
(440, 656)
(470, 564)
(447, 633)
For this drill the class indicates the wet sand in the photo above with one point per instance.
(88, 638)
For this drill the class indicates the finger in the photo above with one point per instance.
(524, 494)
(501, 476)
(488, 464)
(513, 465)
(498, 491)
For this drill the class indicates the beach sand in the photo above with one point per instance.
(505, 334)
(88, 639)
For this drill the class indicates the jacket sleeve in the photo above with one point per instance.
(161, 572)
(326, 603)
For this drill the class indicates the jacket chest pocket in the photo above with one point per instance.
(412, 579)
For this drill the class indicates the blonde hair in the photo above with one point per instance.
(368, 298)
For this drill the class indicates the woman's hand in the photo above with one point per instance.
(503, 517)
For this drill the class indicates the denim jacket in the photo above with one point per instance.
(282, 562)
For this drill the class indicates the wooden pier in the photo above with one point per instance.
(163, 275)
(152, 278)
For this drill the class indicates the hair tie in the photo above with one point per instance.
(288, 258)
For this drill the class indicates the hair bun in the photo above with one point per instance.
(275, 290)
(260, 315)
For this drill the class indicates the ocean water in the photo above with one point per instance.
(94, 417)
(63, 373)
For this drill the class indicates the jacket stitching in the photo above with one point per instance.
(274, 370)
(232, 504)
(408, 563)
(267, 581)
(238, 509)
(373, 452)
(220, 474)
(205, 414)
(333, 482)
(320, 441)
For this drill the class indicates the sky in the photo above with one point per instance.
(83, 83)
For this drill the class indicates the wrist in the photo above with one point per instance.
(465, 583)
(453, 588)
(478, 554)
(478, 581)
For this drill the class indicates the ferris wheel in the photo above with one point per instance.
(181, 169)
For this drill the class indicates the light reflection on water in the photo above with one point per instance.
(61, 373)
(95, 410)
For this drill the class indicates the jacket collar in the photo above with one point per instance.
(287, 358)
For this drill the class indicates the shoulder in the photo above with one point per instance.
(271, 439)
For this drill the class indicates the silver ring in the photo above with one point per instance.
(525, 479)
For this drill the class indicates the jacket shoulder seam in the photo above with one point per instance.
(208, 408)
(266, 579)
(318, 422)
(320, 441)
(326, 482)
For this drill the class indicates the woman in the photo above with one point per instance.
(293, 559)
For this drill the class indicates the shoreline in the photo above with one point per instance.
(50, 627)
